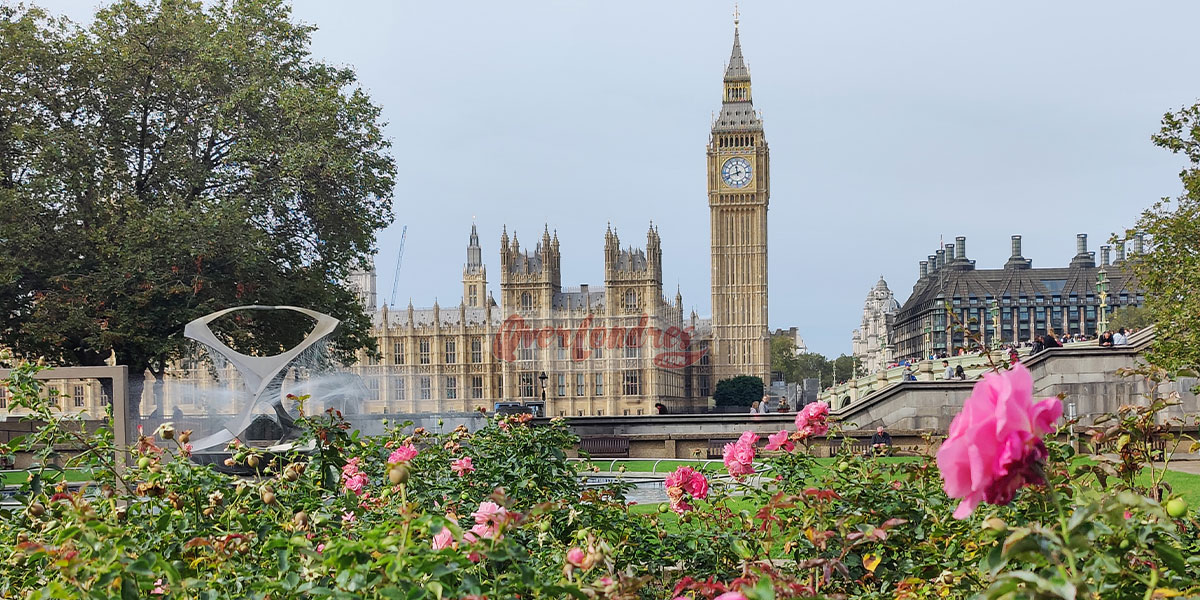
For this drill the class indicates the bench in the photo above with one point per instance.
(605, 447)
(1158, 447)
(855, 446)
(716, 448)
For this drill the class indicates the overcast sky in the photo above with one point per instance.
(891, 125)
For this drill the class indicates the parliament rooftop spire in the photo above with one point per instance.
(736, 70)
(737, 107)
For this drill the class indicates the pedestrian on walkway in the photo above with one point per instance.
(1119, 338)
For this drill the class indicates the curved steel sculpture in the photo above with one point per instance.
(258, 372)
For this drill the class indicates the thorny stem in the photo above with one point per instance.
(1065, 532)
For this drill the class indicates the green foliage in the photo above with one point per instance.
(171, 159)
(811, 365)
(742, 390)
(1169, 270)
(1130, 317)
(851, 526)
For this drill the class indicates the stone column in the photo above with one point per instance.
(925, 370)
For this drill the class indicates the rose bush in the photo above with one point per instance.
(502, 513)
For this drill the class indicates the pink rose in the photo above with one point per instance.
(678, 501)
(748, 438)
(685, 480)
(697, 486)
(462, 466)
(489, 512)
(575, 556)
(404, 453)
(812, 420)
(739, 459)
(484, 530)
(731, 596)
(443, 539)
(780, 441)
(353, 479)
(488, 518)
(995, 446)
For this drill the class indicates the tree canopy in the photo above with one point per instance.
(1169, 270)
(1130, 317)
(742, 390)
(171, 159)
(810, 365)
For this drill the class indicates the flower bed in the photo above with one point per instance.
(502, 513)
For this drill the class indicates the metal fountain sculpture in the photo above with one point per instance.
(258, 372)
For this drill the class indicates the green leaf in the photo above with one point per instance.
(129, 588)
(1171, 558)
(142, 566)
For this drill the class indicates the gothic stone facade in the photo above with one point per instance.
(600, 348)
(870, 343)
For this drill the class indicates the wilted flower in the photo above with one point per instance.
(995, 446)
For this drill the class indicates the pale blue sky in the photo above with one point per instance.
(890, 124)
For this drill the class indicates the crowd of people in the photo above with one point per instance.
(760, 407)
(1120, 337)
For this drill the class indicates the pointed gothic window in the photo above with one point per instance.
(631, 302)
(526, 301)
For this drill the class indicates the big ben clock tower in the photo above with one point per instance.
(739, 186)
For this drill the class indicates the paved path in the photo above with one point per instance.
(1183, 466)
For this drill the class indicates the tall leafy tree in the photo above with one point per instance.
(174, 158)
(741, 390)
(1169, 270)
(1130, 317)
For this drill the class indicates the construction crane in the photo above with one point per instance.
(399, 261)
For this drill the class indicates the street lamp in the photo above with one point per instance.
(1102, 292)
(543, 377)
(995, 312)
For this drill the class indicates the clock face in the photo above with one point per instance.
(736, 172)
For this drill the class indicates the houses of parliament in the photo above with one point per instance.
(620, 348)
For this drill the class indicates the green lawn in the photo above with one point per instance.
(1183, 484)
(1186, 485)
(648, 466)
(50, 476)
(666, 466)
